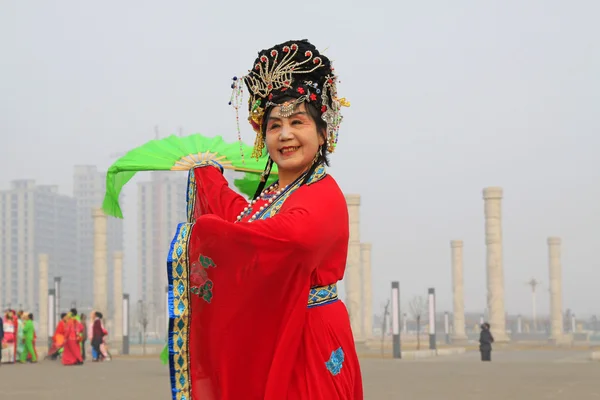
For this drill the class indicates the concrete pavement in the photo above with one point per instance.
(530, 375)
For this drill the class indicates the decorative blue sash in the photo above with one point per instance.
(321, 295)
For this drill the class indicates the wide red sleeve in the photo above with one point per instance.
(213, 194)
(252, 282)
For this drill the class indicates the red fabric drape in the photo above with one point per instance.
(252, 335)
(72, 344)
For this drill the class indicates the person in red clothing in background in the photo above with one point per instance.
(58, 339)
(73, 338)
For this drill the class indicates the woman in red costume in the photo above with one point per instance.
(253, 300)
(73, 338)
(58, 339)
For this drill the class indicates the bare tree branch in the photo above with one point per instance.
(418, 307)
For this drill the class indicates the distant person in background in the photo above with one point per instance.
(84, 336)
(35, 353)
(58, 339)
(1, 338)
(28, 338)
(104, 353)
(90, 333)
(21, 320)
(485, 342)
(72, 348)
(97, 336)
(9, 344)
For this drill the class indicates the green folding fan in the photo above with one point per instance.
(176, 153)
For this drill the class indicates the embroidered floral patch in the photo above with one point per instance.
(334, 365)
(204, 290)
(200, 284)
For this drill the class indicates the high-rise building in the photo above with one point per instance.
(161, 206)
(36, 219)
(89, 186)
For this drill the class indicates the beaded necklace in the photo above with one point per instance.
(269, 195)
(275, 194)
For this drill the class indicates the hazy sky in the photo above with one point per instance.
(447, 98)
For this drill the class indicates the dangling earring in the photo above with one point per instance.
(316, 158)
(265, 174)
(264, 177)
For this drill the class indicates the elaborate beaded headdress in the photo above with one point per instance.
(292, 69)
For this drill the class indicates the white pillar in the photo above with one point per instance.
(533, 310)
(42, 332)
(352, 276)
(446, 327)
(125, 322)
(57, 297)
(555, 269)
(458, 314)
(117, 316)
(100, 262)
(495, 274)
(396, 345)
(367, 301)
(431, 319)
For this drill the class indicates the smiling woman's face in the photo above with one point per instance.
(292, 142)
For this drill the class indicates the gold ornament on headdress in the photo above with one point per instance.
(344, 102)
(270, 74)
(259, 146)
(287, 109)
(255, 118)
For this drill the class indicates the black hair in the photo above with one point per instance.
(62, 315)
(74, 312)
(31, 316)
(321, 125)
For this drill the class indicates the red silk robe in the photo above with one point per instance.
(58, 339)
(72, 344)
(246, 331)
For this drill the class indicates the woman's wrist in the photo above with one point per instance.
(211, 163)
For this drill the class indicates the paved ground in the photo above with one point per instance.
(531, 375)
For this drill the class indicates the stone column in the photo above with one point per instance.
(458, 314)
(42, 331)
(352, 276)
(100, 262)
(556, 316)
(367, 298)
(495, 274)
(118, 299)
